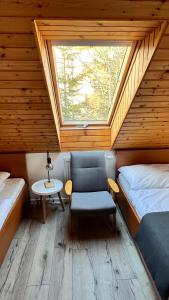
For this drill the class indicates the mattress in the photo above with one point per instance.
(8, 195)
(146, 201)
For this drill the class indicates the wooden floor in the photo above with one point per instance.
(43, 262)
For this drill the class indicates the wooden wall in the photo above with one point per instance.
(121, 9)
(26, 121)
(148, 31)
(85, 139)
(98, 29)
(134, 78)
(147, 122)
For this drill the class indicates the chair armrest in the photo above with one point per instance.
(113, 185)
(68, 188)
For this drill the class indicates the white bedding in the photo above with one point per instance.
(148, 176)
(8, 195)
(148, 200)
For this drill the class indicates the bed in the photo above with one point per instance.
(13, 198)
(145, 201)
(126, 199)
(145, 206)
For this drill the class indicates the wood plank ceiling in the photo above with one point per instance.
(138, 70)
(146, 32)
(147, 122)
(26, 120)
(95, 29)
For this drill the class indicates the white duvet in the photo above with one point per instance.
(146, 200)
(150, 176)
(8, 194)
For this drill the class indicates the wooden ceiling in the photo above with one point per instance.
(138, 70)
(108, 9)
(147, 122)
(26, 119)
(97, 29)
(93, 30)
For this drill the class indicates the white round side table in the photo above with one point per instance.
(39, 188)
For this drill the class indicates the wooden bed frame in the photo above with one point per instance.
(132, 157)
(15, 163)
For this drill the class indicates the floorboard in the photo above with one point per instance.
(44, 262)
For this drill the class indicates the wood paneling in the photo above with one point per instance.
(26, 121)
(17, 40)
(43, 50)
(137, 70)
(122, 9)
(95, 30)
(85, 139)
(18, 54)
(20, 65)
(19, 58)
(15, 25)
(147, 122)
(147, 156)
(48, 30)
(20, 75)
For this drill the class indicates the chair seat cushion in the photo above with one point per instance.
(94, 202)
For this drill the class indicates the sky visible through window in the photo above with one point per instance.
(87, 79)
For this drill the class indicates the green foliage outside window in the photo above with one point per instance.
(87, 80)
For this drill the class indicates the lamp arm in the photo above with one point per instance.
(48, 176)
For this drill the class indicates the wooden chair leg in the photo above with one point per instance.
(61, 202)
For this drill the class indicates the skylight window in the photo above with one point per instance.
(88, 80)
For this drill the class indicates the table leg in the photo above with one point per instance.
(43, 202)
(61, 202)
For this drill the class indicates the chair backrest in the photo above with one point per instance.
(88, 172)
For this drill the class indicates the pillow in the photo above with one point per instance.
(152, 176)
(3, 177)
(124, 181)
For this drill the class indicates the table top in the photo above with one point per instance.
(39, 188)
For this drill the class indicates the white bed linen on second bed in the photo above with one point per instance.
(8, 195)
(147, 200)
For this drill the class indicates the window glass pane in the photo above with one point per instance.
(87, 80)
